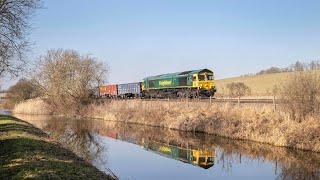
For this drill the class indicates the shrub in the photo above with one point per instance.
(21, 91)
(238, 89)
(301, 95)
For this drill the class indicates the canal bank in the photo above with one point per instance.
(143, 152)
(28, 152)
(256, 122)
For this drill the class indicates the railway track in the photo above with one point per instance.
(209, 100)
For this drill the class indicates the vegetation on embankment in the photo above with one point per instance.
(32, 107)
(27, 152)
(254, 122)
(251, 122)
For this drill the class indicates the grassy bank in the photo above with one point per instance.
(249, 122)
(27, 152)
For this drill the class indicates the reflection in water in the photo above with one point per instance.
(199, 157)
(77, 135)
(86, 137)
(202, 158)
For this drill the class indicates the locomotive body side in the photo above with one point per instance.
(184, 84)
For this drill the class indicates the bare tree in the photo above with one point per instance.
(14, 23)
(238, 89)
(68, 80)
(298, 66)
(21, 91)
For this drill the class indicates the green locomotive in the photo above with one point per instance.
(196, 83)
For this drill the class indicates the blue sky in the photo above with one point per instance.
(140, 38)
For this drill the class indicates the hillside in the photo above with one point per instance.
(261, 85)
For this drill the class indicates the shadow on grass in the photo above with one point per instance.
(6, 128)
(24, 157)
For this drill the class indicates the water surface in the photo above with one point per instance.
(141, 152)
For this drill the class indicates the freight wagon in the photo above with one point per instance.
(108, 91)
(129, 90)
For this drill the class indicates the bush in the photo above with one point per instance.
(301, 95)
(238, 89)
(21, 91)
(66, 80)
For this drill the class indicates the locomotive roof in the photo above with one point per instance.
(184, 73)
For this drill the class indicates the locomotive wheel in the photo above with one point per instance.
(180, 95)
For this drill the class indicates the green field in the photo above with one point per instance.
(260, 85)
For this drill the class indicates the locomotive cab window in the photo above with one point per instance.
(202, 77)
(210, 77)
(210, 160)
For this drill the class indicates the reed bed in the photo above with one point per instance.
(32, 107)
(258, 123)
(255, 122)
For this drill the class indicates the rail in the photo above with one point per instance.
(209, 100)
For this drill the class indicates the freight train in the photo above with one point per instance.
(187, 84)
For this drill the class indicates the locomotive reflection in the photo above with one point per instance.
(200, 157)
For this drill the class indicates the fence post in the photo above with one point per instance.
(210, 99)
(274, 103)
(239, 101)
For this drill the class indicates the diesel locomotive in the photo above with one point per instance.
(187, 84)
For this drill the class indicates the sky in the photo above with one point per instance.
(138, 38)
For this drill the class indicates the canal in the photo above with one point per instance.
(140, 152)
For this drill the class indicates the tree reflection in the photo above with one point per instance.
(78, 135)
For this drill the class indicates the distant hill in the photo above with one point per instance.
(260, 85)
(263, 82)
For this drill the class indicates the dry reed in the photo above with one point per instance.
(258, 123)
(247, 122)
(32, 107)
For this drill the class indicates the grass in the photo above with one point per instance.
(28, 153)
(260, 85)
(248, 122)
